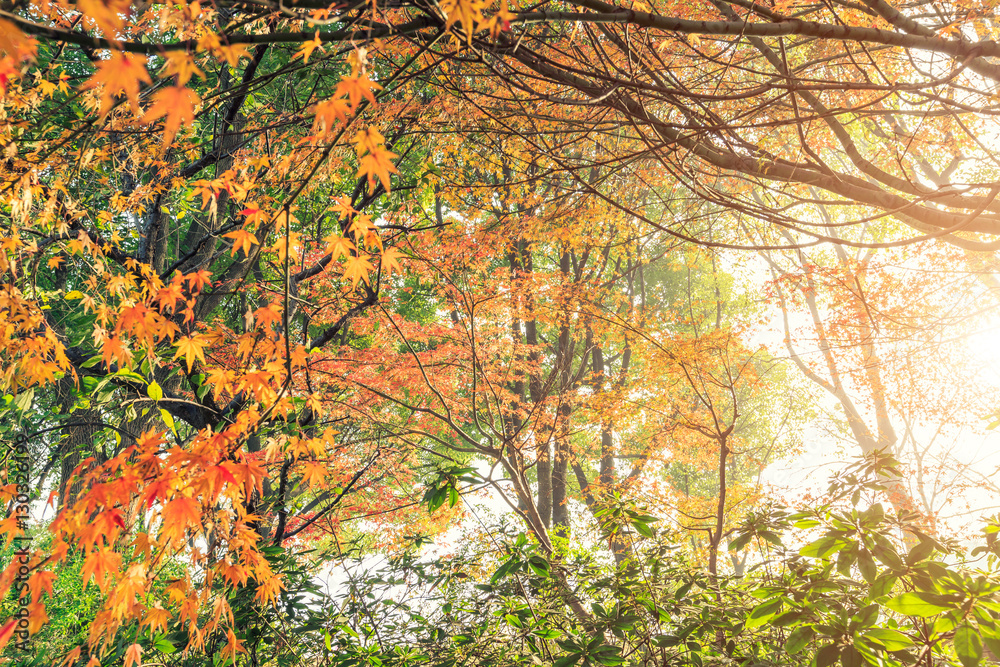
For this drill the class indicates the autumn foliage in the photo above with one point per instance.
(283, 283)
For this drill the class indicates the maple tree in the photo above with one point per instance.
(276, 272)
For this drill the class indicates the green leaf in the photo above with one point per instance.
(827, 655)
(892, 640)
(992, 644)
(168, 419)
(93, 361)
(163, 646)
(567, 660)
(918, 604)
(762, 613)
(24, 399)
(866, 564)
(968, 646)
(799, 639)
(918, 553)
(740, 542)
(849, 657)
(154, 391)
(823, 547)
(642, 528)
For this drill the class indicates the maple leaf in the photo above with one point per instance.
(390, 261)
(242, 240)
(191, 348)
(233, 646)
(254, 214)
(267, 315)
(133, 655)
(99, 565)
(282, 247)
(197, 280)
(338, 246)
(314, 473)
(176, 104)
(72, 657)
(121, 73)
(114, 351)
(469, 13)
(232, 53)
(178, 514)
(54, 262)
(358, 268)
(156, 618)
(330, 114)
(181, 64)
(378, 164)
(36, 618)
(6, 632)
(374, 158)
(308, 47)
(107, 14)
(15, 43)
(41, 582)
(356, 87)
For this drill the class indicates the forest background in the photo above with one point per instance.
(467, 332)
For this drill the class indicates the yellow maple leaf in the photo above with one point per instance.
(121, 73)
(232, 53)
(314, 473)
(176, 104)
(191, 348)
(289, 246)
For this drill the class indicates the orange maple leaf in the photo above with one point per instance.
(107, 14)
(178, 514)
(357, 86)
(373, 156)
(182, 65)
(242, 240)
(99, 566)
(233, 646)
(338, 246)
(314, 474)
(191, 348)
(41, 582)
(133, 655)
(390, 263)
(309, 47)
(6, 632)
(330, 114)
(176, 104)
(358, 268)
(121, 73)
